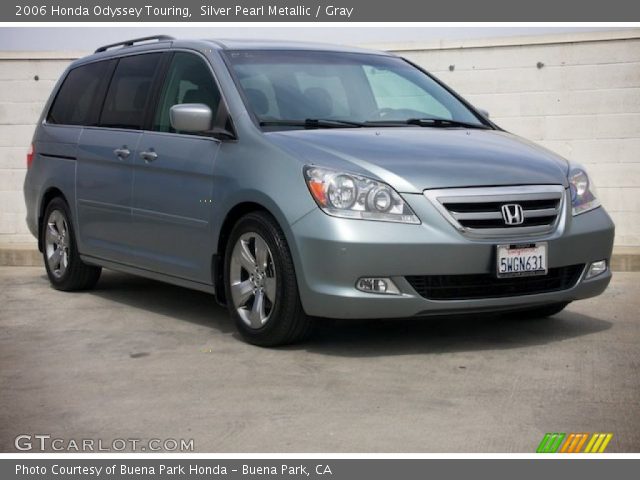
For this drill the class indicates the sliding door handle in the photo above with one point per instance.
(149, 156)
(122, 153)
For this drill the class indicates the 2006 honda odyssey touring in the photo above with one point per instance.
(297, 181)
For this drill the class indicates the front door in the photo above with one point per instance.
(173, 179)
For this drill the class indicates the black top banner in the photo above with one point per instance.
(319, 11)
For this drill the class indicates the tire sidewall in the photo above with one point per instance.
(286, 288)
(61, 205)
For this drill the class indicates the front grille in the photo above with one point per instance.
(468, 287)
(478, 211)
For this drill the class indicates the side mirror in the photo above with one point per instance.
(484, 112)
(191, 117)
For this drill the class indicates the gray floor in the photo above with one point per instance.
(139, 359)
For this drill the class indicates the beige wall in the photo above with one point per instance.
(584, 103)
(21, 101)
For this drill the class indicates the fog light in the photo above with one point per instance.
(597, 268)
(377, 285)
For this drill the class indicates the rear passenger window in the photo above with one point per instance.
(129, 91)
(76, 102)
(189, 80)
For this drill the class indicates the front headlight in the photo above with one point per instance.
(583, 195)
(353, 196)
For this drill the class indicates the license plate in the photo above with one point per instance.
(521, 260)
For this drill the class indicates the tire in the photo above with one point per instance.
(260, 284)
(70, 272)
(540, 312)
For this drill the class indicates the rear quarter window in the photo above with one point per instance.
(78, 100)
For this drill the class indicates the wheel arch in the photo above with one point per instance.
(232, 216)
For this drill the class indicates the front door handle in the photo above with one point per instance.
(149, 156)
(122, 153)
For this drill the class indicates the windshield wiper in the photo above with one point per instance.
(311, 123)
(429, 122)
(443, 123)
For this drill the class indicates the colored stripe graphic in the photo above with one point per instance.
(543, 444)
(598, 442)
(573, 442)
(591, 442)
(605, 442)
(550, 443)
(569, 443)
(581, 443)
(596, 446)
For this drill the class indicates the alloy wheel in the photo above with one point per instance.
(252, 278)
(57, 243)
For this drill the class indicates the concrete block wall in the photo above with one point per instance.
(576, 94)
(26, 80)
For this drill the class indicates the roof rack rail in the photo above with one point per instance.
(130, 43)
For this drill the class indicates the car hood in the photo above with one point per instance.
(413, 159)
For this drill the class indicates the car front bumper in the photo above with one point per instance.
(331, 254)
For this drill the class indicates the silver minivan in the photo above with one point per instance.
(299, 181)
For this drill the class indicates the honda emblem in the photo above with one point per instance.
(512, 214)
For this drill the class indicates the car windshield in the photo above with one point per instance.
(317, 89)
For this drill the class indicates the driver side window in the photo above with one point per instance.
(188, 80)
(395, 92)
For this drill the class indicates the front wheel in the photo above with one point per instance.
(260, 283)
(65, 269)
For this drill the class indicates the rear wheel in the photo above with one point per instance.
(260, 282)
(65, 269)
